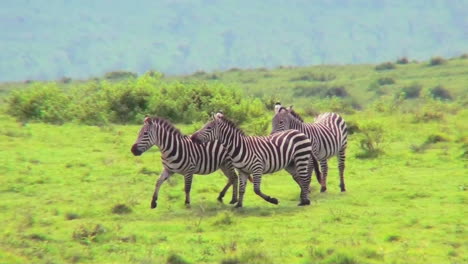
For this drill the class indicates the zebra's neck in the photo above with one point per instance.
(167, 140)
(234, 141)
(296, 124)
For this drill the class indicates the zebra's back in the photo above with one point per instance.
(196, 158)
(329, 131)
(276, 151)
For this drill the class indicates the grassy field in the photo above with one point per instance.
(75, 194)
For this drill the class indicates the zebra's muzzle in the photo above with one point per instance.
(135, 150)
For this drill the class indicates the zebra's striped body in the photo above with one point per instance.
(181, 155)
(328, 132)
(290, 150)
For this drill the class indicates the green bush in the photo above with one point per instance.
(412, 91)
(338, 91)
(371, 140)
(385, 66)
(435, 61)
(120, 75)
(128, 101)
(440, 92)
(402, 60)
(42, 102)
(386, 81)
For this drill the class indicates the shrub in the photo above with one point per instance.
(440, 92)
(42, 102)
(86, 235)
(385, 66)
(371, 142)
(176, 259)
(65, 80)
(120, 75)
(464, 56)
(308, 91)
(437, 61)
(412, 91)
(310, 76)
(320, 90)
(338, 91)
(352, 127)
(402, 60)
(121, 209)
(436, 138)
(386, 81)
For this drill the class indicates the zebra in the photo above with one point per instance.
(181, 155)
(328, 130)
(257, 155)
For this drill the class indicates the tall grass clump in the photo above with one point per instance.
(412, 91)
(435, 61)
(385, 66)
(386, 81)
(371, 140)
(440, 92)
(402, 60)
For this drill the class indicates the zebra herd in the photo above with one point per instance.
(293, 145)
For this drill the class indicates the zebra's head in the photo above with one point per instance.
(282, 119)
(210, 131)
(144, 140)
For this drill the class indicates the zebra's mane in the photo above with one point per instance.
(294, 114)
(167, 125)
(232, 125)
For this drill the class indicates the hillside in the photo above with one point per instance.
(87, 38)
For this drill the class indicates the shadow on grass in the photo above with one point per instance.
(213, 208)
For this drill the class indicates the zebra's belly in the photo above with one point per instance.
(266, 167)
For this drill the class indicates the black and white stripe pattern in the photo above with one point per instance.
(290, 150)
(328, 131)
(181, 155)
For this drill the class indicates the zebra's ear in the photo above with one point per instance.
(218, 115)
(290, 108)
(147, 120)
(277, 107)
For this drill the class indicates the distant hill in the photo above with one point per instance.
(80, 39)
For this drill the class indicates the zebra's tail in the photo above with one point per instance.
(318, 174)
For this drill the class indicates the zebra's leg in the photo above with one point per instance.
(301, 174)
(188, 186)
(257, 181)
(243, 182)
(223, 191)
(341, 167)
(231, 174)
(324, 168)
(164, 176)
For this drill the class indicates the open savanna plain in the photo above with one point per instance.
(74, 193)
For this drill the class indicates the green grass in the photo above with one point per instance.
(75, 194)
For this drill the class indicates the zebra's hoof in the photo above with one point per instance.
(305, 202)
(238, 205)
(220, 199)
(343, 189)
(153, 204)
(323, 189)
(233, 202)
(273, 200)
